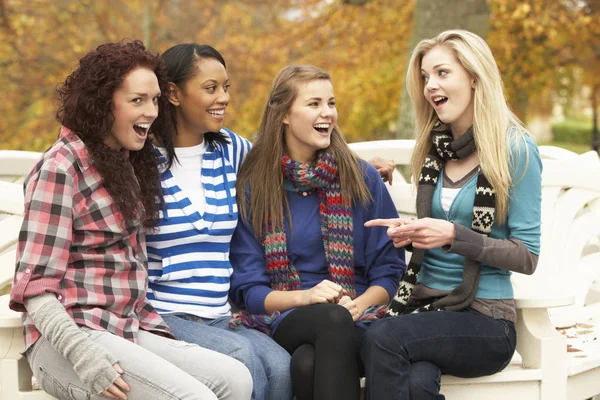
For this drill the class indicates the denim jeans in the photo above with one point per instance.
(156, 368)
(405, 356)
(269, 363)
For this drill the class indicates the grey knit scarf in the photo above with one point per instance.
(444, 147)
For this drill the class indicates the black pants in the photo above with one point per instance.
(325, 348)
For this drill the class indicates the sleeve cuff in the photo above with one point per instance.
(25, 288)
(255, 299)
(388, 284)
(467, 243)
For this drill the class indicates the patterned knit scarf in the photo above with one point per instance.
(336, 226)
(336, 232)
(444, 147)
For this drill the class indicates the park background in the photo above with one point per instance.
(548, 52)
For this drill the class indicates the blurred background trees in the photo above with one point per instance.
(548, 52)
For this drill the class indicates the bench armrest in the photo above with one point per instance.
(8, 317)
(544, 301)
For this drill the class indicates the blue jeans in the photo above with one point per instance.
(269, 363)
(405, 356)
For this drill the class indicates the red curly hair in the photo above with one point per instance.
(85, 107)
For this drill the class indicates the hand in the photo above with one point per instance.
(351, 306)
(384, 167)
(424, 233)
(399, 239)
(119, 386)
(324, 292)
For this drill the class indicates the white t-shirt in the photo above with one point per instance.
(186, 170)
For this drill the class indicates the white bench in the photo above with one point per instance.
(569, 264)
(542, 369)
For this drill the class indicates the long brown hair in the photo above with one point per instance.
(261, 171)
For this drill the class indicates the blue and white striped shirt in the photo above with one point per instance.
(188, 256)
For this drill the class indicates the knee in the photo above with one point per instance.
(239, 380)
(424, 380)
(303, 362)
(337, 317)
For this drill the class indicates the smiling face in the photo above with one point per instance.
(200, 102)
(448, 87)
(310, 120)
(135, 107)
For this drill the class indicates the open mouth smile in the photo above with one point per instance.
(438, 101)
(142, 129)
(217, 113)
(322, 128)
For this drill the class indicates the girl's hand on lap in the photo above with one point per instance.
(324, 292)
(119, 386)
(351, 306)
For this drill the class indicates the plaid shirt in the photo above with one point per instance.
(73, 244)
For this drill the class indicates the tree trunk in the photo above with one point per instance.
(594, 97)
(147, 24)
(430, 18)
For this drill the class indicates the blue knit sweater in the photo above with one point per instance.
(376, 261)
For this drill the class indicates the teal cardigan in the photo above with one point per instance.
(443, 270)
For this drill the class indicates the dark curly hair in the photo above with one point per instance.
(85, 107)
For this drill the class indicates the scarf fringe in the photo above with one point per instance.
(264, 322)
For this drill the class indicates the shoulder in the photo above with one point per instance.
(233, 138)
(58, 165)
(524, 154)
(520, 141)
(370, 174)
(62, 157)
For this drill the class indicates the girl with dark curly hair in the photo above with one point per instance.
(81, 275)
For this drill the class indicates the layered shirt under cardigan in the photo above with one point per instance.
(376, 261)
(189, 268)
(442, 268)
(73, 243)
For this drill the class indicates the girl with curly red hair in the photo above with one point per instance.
(81, 276)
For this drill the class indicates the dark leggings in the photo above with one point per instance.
(325, 348)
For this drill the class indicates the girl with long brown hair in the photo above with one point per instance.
(306, 271)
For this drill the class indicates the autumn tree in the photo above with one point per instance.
(364, 44)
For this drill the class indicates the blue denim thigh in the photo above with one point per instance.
(199, 331)
(275, 359)
(465, 344)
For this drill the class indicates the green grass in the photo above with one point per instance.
(573, 131)
(575, 147)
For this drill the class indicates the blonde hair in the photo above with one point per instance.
(261, 171)
(492, 116)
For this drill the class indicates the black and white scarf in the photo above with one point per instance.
(444, 147)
